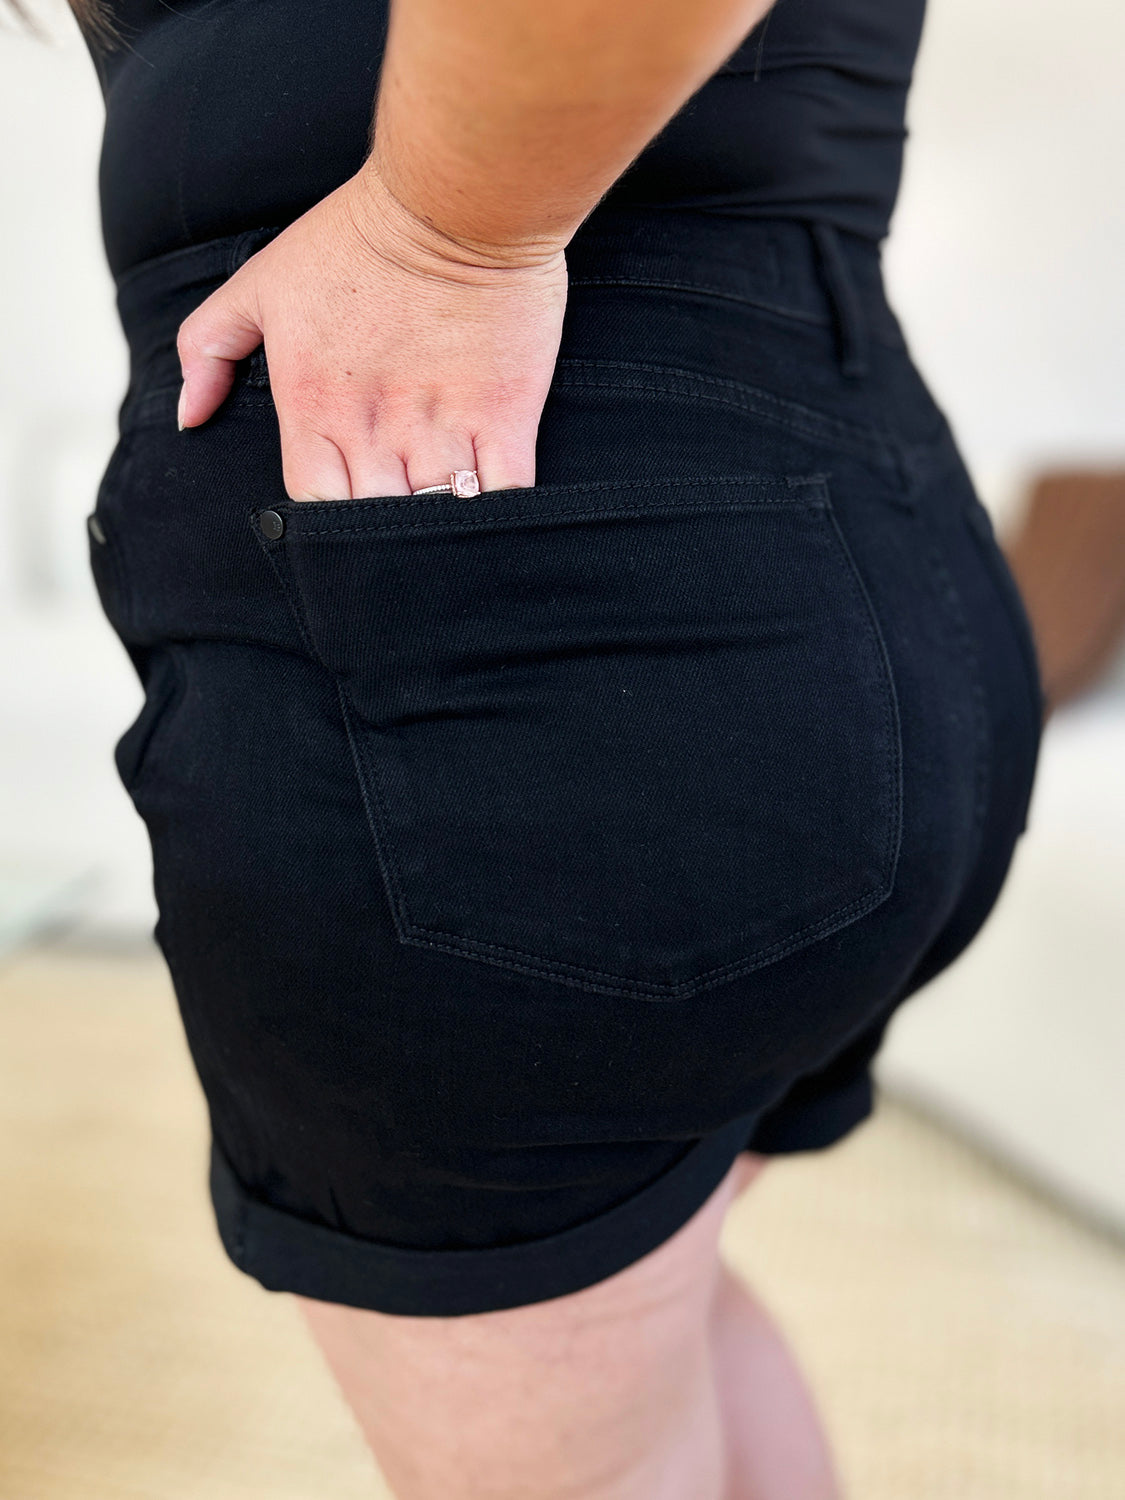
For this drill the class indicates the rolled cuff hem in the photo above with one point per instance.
(286, 1253)
(815, 1123)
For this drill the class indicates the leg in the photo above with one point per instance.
(776, 1449)
(603, 1395)
(606, 1394)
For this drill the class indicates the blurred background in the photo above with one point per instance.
(954, 1274)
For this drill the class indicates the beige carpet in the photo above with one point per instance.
(967, 1339)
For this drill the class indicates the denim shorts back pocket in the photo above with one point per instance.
(638, 737)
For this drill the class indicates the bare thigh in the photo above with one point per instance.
(606, 1394)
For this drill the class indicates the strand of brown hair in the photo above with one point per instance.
(93, 18)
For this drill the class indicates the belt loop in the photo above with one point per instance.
(248, 243)
(850, 322)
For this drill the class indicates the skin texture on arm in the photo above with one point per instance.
(412, 318)
(502, 123)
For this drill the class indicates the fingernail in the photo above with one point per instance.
(180, 407)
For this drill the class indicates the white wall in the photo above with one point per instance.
(1006, 253)
(1004, 262)
(66, 687)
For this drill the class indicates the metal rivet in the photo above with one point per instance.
(96, 529)
(271, 524)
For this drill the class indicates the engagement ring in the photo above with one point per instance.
(464, 483)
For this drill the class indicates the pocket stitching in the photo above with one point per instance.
(428, 517)
(561, 970)
(253, 393)
(539, 967)
(805, 420)
(892, 719)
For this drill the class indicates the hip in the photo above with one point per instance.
(749, 632)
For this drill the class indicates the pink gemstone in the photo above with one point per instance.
(465, 483)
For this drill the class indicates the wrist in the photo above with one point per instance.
(454, 238)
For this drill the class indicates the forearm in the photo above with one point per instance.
(412, 318)
(502, 122)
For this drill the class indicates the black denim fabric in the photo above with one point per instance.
(522, 859)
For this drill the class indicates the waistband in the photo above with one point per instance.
(808, 271)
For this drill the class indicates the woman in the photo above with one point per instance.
(583, 695)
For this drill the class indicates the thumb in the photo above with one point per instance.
(221, 331)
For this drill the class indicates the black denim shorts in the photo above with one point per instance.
(520, 860)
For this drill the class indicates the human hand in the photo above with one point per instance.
(396, 355)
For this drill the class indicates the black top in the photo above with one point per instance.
(225, 115)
